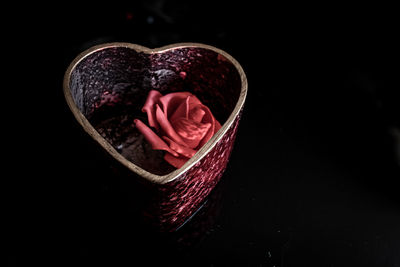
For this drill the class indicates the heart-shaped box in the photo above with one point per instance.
(106, 87)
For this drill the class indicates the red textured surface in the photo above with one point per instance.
(183, 196)
(120, 78)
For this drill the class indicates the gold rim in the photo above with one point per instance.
(159, 179)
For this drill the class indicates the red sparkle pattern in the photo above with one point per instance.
(178, 199)
(115, 80)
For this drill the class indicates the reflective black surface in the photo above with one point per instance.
(313, 178)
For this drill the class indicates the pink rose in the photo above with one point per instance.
(181, 122)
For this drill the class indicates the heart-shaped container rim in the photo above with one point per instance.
(158, 179)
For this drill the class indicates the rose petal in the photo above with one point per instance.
(184, 123)
(182, 150)
(156, 142)
(171, 102)
(149, 108)
(193, 102)
(190, 131)
(182, 111)
(215, 126)
(177, 162)
(167, 127)
(196, 114)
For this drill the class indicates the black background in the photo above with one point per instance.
(312, 180)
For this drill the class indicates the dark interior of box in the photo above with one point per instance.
(110, 87)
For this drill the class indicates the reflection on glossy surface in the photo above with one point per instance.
(114, 229)
(313, 178)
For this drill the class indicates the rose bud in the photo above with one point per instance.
(181, 125)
